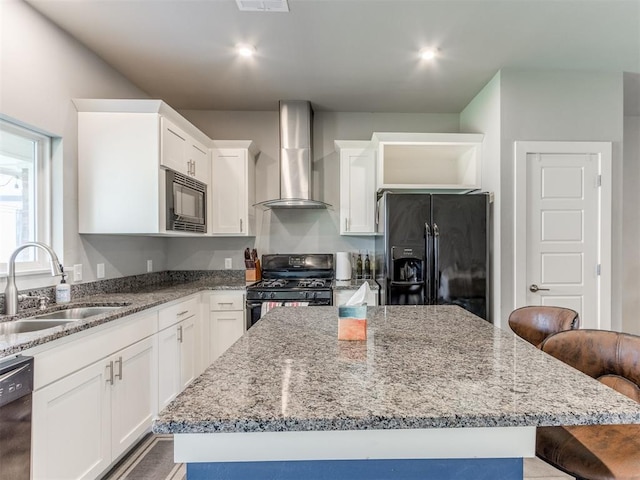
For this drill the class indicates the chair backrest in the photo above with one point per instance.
(535, 323)
(611, 357)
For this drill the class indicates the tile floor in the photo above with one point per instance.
(147, 460)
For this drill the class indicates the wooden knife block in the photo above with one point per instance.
(253, 274)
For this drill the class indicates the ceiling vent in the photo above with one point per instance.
(267, 6)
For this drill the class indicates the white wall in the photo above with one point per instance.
(293, 231)
(43, 68)
(560, 105)
(482, 115)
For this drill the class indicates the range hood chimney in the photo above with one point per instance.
(296, 139)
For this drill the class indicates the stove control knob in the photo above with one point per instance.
(260, 295)
(272, 294)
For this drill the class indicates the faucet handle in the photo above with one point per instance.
(43, 302)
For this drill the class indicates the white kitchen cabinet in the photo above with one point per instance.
(357, 188)
(179, 151)
(341, 296)
(233, 188)
(227, 320)
(429, 161)
(122, 147)
(177, 351)
(84, 421)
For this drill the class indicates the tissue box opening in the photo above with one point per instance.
(352, 322)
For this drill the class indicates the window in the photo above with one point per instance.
(25, 159)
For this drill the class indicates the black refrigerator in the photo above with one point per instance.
(435, 249)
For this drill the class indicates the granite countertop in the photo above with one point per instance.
(420, 367)
(137, 299)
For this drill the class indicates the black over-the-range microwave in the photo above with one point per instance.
(186, 203)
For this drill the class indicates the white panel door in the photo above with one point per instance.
(187, 340)
(229, 192)
(72, 424)
(168, 366)
(226, 328)
(133, 396)
(357, 191)
(561, 229)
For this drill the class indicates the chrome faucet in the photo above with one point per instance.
(11, 297)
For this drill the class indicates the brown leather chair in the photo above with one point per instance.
(596, 452)
(535, 323)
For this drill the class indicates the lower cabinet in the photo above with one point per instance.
(177, 352)
(226, 320)
(84, 421)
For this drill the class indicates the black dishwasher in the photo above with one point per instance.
(16, 385)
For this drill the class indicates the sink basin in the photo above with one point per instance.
(77, 313)
(25, 326)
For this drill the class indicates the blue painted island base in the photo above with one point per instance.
(418, 469)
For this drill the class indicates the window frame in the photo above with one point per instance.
(43, 160)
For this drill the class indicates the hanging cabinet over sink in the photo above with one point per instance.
(429, 161)
(124, 149)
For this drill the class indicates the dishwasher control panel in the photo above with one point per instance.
(16, 378)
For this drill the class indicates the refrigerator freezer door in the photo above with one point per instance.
(461, 260)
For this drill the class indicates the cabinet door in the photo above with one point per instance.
(229, 192)
(173, 153)
(133, 396)
(187, 342)
(168, 366)
(199, 155)
(71, 425)
(357, 192)
(226, 328)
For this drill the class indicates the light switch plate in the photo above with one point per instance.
(228, 263)
(77, 272)
(100, 270)
(149, 266)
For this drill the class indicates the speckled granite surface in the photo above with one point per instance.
(134, 293)
(420, 367)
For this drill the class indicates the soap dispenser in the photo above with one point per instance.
(63, 290)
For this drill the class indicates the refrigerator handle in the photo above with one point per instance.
(427, 273)
(436, 262)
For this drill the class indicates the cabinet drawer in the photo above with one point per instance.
(226, 301)
(176, 313)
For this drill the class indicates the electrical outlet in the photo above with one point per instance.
(100, 270)
(228, 264)
(149, 266)
(77, 272)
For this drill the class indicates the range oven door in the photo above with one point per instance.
(254, 308)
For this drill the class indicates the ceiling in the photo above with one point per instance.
(349, 55)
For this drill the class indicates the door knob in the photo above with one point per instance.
(534, 288)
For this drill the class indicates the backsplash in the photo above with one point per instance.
(125, 284)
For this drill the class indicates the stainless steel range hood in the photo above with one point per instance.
(296, 139)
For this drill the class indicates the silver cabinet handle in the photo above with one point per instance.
(346, 224)
(534, 288)
(180, 334)
(119, 365)
(193, 162)
(241, 225)
(182, 313)
(110, 376)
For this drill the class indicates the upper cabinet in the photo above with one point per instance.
(428, 161)
(233, 188)
(357, 187)
(183, 153)
(123, 146)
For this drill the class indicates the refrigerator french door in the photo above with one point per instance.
(435, 250)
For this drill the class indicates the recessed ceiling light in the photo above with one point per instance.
(246, 50)
(428, 53)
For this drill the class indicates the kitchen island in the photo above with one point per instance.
(434, 392)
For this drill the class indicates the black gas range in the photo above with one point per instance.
(291, 280)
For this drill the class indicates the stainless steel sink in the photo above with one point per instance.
(77, 313)
(25, 326)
